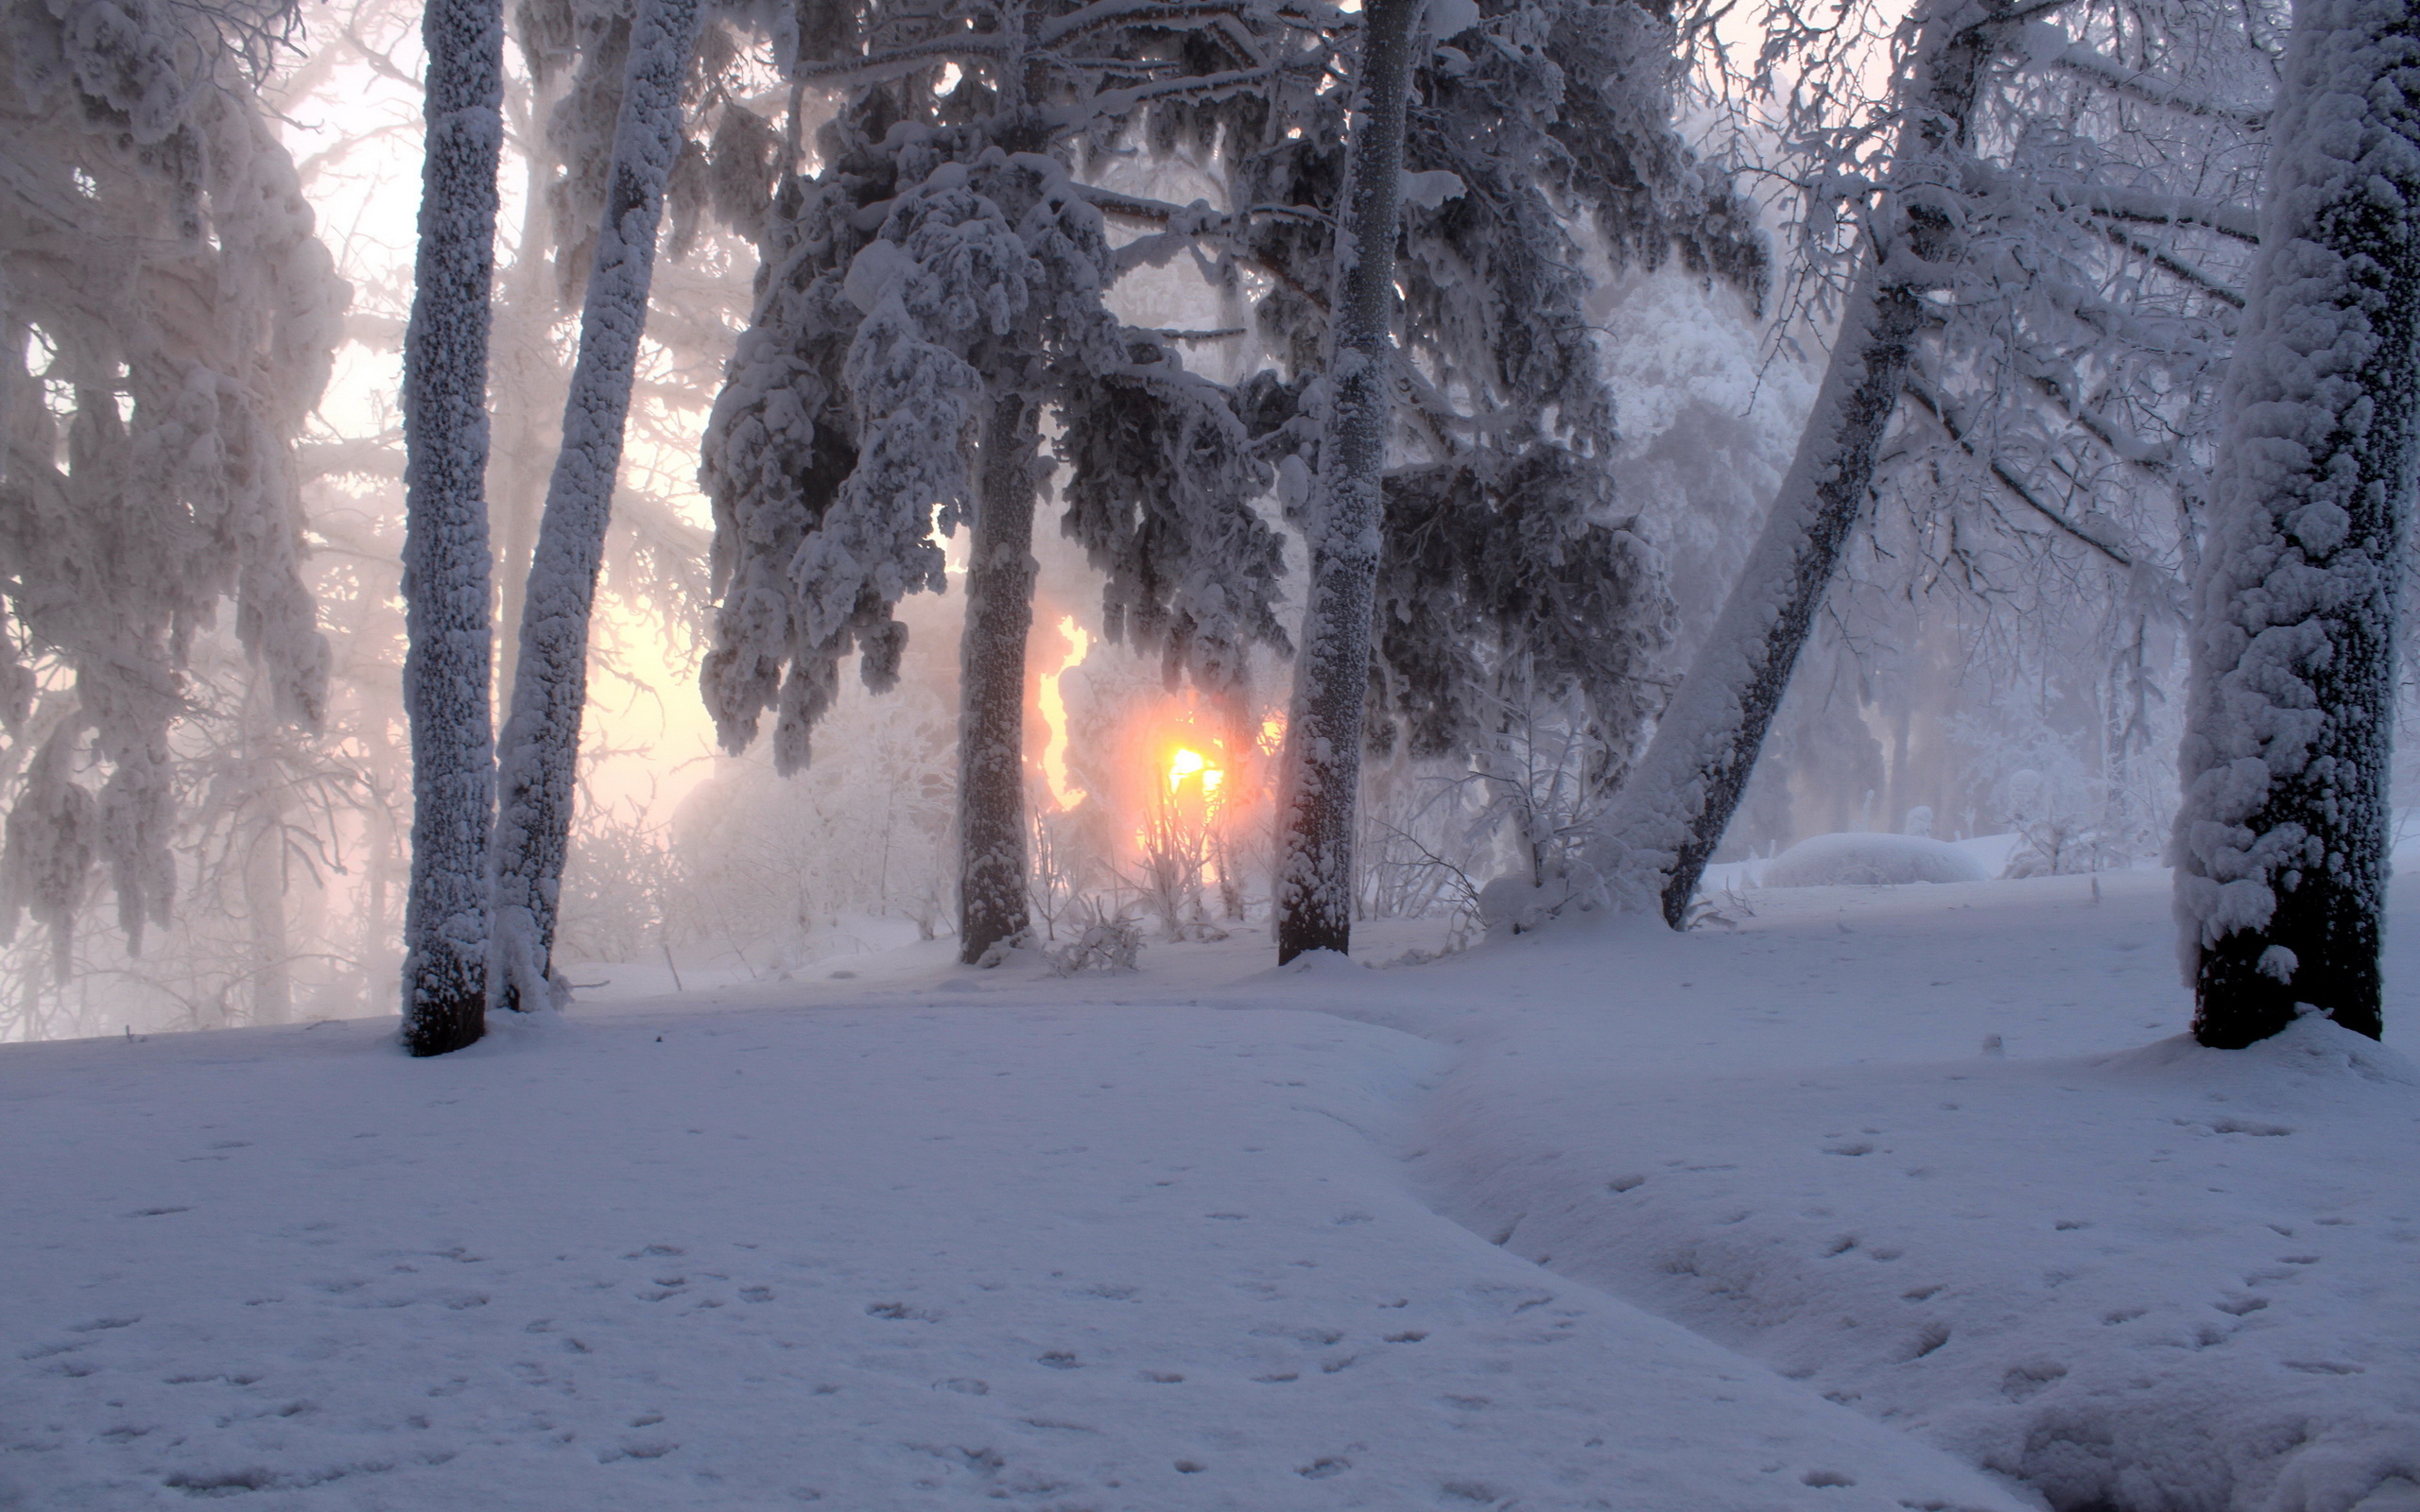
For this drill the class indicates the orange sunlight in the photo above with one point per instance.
(1054, 716)
(1186, 764)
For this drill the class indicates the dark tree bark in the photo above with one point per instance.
(540, 753)
(1331, 675)
(2282, 843)
(1001, 568)
(446, 667)
(1672, 813)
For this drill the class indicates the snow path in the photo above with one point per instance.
(2133, 1274)
(1141, 1257)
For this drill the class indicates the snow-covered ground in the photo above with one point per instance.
(1749, 1218)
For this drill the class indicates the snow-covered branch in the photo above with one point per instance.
(2150, 89)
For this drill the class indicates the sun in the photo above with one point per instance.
(1187, 763)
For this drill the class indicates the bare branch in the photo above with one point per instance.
(1945, 416)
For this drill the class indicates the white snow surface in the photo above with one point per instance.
(1607, 1217)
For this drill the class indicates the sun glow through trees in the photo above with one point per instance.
(1054, 716)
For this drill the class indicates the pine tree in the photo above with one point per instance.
(446, 567)
(1512, 592)
(927, 297)
(2281, 848)
(540, 750)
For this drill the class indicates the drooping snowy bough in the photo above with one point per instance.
(2281, 848)
(168, 320)
(927, 296)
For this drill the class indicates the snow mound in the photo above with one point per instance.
(1871, 861)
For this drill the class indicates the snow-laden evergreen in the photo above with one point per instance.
(2281, 845)
(927, 296)
(539, 750)
(1518, 611)
(446, 569)
(167, 317)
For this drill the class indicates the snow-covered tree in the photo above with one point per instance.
(927, 296)
(1511, 582)
(166, 320)
(1672, 812)
(538, 752)
(1342, 517)
(446, 569)
(2043, 214)
(2281, 846)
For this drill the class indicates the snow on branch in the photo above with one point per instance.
(2150, 89)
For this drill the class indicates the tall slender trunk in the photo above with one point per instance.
(2282, 842)
(1332, 673)
(1000, 570)
(262, 868)
(264, 878)
(446, 667)
(540, 752)
(1672, 813)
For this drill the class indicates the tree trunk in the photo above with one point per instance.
(1001, 568)
(1332, 672)
(2282, 841)
(446, 665)
(540, 755)
(264, 878)
(1672, 813)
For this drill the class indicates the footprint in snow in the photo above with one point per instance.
(2029, 1378)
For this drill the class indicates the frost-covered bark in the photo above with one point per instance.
(446, 566)
(1671, 814)
(991, 734)
(2281, 849)
(539, 753)
(1323, 733)
(168, 317)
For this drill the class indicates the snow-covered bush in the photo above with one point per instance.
(1871, 861)
(1111, 942)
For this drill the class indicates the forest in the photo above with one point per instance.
(1298, 678)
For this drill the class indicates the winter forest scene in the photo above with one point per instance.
(1092, 755)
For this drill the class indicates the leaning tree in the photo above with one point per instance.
(2042, 276)
(539, 751)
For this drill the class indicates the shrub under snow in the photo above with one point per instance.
(1871, 861)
